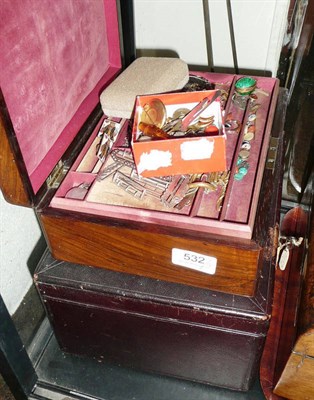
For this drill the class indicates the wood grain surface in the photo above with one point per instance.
(13, 188)
(148, 253)
(296, 380)
(287, 293)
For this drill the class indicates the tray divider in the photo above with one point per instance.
(229, 100)
(263, 154)
(234, 163)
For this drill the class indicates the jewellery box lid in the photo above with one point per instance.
(56, 57)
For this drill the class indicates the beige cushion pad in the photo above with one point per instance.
(146, 75)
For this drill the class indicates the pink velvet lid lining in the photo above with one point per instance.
(55, 58)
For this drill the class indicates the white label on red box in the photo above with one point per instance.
(197, 261)
(197, 150)
(153, 160)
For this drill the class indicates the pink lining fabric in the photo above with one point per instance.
(56, 56)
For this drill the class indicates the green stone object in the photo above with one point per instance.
(243, 170)
(238, 176)
(245, 85)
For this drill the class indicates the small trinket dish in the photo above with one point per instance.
(186, 142)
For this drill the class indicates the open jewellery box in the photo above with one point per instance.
(55, 66)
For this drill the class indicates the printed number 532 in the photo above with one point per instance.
(194, 258)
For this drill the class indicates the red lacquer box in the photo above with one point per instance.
(183, 154)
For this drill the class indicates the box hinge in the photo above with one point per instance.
(57, 175)
(272, 153)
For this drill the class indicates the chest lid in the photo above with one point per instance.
(56, 57)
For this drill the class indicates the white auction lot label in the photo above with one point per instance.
(190, 259)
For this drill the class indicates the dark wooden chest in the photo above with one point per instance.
(156, 326)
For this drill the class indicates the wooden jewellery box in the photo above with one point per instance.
(56, 60)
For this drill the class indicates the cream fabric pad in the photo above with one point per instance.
(146, 75)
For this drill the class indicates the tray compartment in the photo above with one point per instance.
(227, 205)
